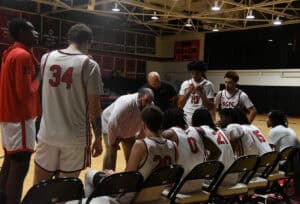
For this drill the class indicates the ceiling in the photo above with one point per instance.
(173, 14)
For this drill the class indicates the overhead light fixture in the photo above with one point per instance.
(115, 9)
(215, 29)
(216, 6)
(154, 17)
(270, 40)
(277, 21)
(188, 23)
(250, 14)
(290, 44)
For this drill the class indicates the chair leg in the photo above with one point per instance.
(282, 193)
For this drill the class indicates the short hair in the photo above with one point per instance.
(240, 116)
(202, 116)
(232, 75)
(152, 117)
(15, 26)
(278, 117)
(173, 117)
(80, 33)
(197, 66)
(145, 91)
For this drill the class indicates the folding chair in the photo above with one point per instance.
(54, 191)
(210, 170)
(155, 184)
(244, 166)
(117, 185)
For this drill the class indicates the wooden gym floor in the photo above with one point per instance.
(260, 122)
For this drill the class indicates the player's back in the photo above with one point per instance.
(65, 86)
(160, 153)
(256, 137)
(222, 142)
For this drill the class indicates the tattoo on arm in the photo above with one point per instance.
(97, 126)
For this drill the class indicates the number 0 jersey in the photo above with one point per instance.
(67, 81)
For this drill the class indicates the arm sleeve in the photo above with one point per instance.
(26, 85)
(246, 100)
(94, 81)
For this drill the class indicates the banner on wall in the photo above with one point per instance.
(50, 35)
(5, 17)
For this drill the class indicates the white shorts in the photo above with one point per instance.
(18, 137)
(65, 159)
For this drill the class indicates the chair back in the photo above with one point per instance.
(157, 182)
(244, 166)
(210, 170)
(117, 185)
(292, 156)
(267, 163)
(54, 191)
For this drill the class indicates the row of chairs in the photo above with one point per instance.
(254, 173)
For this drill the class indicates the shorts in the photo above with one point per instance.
(18, 137)
(65, 159)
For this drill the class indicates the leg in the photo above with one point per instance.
(88, 182)
(127, 145)
(19, 166)
(4, 172)
(41, 174)
(110, 156)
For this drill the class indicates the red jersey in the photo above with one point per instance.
(19, 98)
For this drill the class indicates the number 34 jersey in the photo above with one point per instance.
(68, 78)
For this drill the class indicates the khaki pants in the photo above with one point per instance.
(110, 156)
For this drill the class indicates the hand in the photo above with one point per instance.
(199, 89)
(97, 147)
(190, 89)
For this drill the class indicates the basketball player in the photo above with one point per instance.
(232, 97)
(19, 106)
(190, 142)
(121, 122)
(280, 136)
(148, 154)
(196, 92)
(246, 138)
(72, 85)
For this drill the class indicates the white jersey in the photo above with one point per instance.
(248, 140)
(194, 101)
(190, 148)
(67, 81)
(282, 137)
(238, 99)
(222, 142)
(160, 152)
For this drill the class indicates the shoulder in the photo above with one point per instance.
(20, 54)
(185, 83)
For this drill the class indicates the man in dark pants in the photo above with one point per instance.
(19, 106)
(165, 95)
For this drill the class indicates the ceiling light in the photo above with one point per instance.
(215, 29)
(154, 17)
(115, 9)
(215, 7)
(188, 23)
(250, 14)
(270, 40)
(290, 44)
(277, 21)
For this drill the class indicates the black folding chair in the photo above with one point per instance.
(157, 181)
(117, 185)
(54, 191)
(244, 166)
(210, 171)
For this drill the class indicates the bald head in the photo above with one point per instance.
(153, 80)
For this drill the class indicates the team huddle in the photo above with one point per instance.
(156, 126)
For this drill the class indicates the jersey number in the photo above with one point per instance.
(162, 161)
(221, 138)
(57, 78)
(195, 99)
(259, 136)
(193, 145)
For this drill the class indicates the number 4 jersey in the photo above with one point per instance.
(68, 79)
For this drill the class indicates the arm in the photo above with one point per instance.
(234, 132)
(209, 145)
(138, 153)
(251, 114)
(169, 134)
(184, 94)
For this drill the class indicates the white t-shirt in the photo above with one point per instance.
(248, 140)
(282, 137)
(68, 79)
(194, 101)
(235, 100)
(160, 153)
